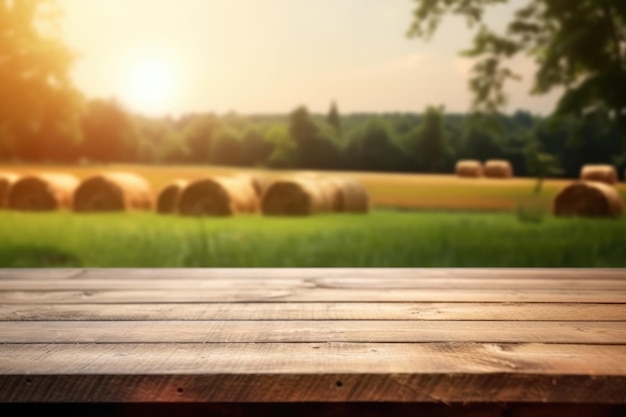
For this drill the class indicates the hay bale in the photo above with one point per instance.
(260, 183)
(588, 199)
(169, 196)
(113, 191)
(350, 196)
(219, 196)
(498, 168)
(42, 192)
(599, 172)
(299, 196)
(469, 168)
(7, 179)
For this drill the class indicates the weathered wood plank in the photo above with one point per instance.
(451, 372)
(304, 358)
(315, 311)
(292, 388)
(317, 409)
(299, 331)
(314, 273)
(389, 283)
(196, 295)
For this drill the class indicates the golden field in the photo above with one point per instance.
(402, 191)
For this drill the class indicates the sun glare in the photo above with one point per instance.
(149, 86)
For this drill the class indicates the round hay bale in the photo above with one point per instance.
(219, 196)
(588, 199)
(42, 192)
(498, 168)
(7, 179)
(298, 196)
(169, 196)
(599, 172)
(469, 168)
(350, 196)
(113, 191)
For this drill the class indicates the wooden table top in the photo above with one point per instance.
(298, 335)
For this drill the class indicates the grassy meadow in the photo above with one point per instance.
(416, 220)
(382, 238)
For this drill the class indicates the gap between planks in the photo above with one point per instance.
(313, 273)
(196, 295)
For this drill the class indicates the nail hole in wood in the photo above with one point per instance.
(180, 390)
(339, 384)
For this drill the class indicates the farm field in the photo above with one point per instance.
(415, 221)
(386, 190)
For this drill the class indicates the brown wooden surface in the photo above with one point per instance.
(313, 335)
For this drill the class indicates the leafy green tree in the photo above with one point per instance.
(328, 146)
(302, 130)
(540, 164)
(173, 149)
(255, 149)
(284, 148)
(38, 101)
(479, 142)
(159, 140)
(432, 147)
(316, 146)
(333, 118)
(109, 133)
(373, 148)
(198, 135)
(579, 46)
(226, 148)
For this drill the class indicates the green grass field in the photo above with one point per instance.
(382, 238)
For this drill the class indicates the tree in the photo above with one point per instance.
(284, 148)
(578, 45)
(198, 136)
(226, 147)
(38, 101)
(432, 146)
(540, 163)
(316, 146)
(333, 118)
(480, 143)
(373, 148)
(109, 133)
(255, 149)
(303, 131)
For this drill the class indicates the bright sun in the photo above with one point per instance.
(149, 86)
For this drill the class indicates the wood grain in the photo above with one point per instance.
(315, 311)
(313, 372)
(338, 335)
(310, 331)
(313, 358)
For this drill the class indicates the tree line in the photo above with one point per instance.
(427, 142)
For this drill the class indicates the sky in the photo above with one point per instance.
(167, 57)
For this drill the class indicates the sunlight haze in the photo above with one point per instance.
(163, 57)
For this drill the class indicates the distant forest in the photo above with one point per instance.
(427, 142)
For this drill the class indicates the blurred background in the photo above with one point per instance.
(467, 116)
